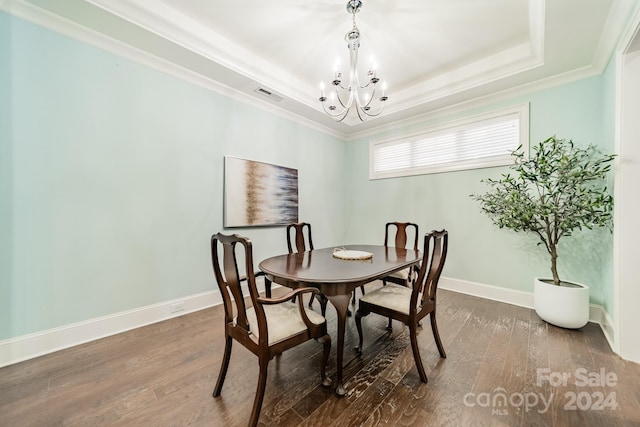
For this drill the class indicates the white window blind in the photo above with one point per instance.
(474, 143)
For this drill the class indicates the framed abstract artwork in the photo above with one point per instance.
(259, 194)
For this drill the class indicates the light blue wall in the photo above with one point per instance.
(5, 168)
(111, 185)
(480, 252)
(112, 180)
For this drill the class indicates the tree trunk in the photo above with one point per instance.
(554, 269)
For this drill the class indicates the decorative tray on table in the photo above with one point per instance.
(346, 254)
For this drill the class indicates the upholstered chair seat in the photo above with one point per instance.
(402, 274)
(394, 297)
(283, 321)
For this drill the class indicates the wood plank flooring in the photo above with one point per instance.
(505, 367)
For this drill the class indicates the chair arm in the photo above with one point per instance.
(297, 292)
(288, 296)
(258, 274)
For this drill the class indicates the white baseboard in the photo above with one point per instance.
(495, 293)
(33, 345)
(29, 346)
(26, 347)
(597, 314)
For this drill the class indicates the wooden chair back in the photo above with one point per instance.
(299, 234)
(404, 231)
(224, 257)
(435, 248)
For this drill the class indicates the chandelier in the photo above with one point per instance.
(359, 97)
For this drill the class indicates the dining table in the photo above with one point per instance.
(337, 272)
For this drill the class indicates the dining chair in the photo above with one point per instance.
(299, 240)
(410, 305)
(403, 232)
(267, 328)
(298, 234)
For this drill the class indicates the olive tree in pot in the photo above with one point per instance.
(560, 188)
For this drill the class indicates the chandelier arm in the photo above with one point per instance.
(369, 83)
(336, 114)
(344, 115)
(343, 104)
(369, 114)
(371, 97)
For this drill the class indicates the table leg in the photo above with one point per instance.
(341, 303)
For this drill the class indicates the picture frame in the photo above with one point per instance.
(258, 194)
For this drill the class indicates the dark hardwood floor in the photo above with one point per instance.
(505, 367)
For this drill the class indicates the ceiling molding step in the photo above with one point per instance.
(170, 24)
(630, 40)
(505, 64)
(481, 101)
(171, 38)
(51, 21)
(618, 18)
(536, 27)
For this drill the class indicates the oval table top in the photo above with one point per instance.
(320, 266)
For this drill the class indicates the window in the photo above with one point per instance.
(478, 142)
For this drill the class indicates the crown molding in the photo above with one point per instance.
(611, 35)
(51, 21)
(168, 23)
(427, 95)
(482, 101)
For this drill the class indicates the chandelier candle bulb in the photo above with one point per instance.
(384, 87)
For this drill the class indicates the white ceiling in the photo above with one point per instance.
(433, 54)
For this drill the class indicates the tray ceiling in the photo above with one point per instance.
(433, 54)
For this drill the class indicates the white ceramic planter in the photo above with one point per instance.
(567, 307)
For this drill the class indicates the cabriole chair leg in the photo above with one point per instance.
(359, 315)
(223, 368)
(436, 335)
(262, 384)
(416, 353)
(326, 349)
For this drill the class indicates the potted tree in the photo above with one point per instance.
(560, 188)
